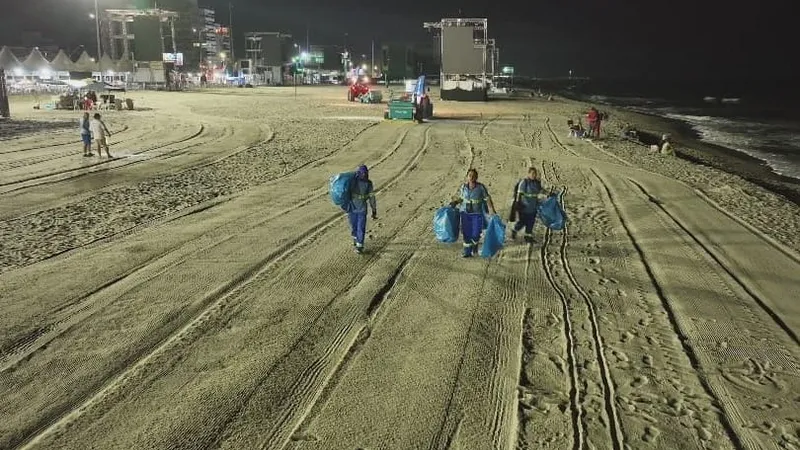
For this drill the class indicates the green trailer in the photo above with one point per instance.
(400, 109)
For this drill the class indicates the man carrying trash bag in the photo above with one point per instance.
(361, 194)
(527, 194)
(472, 199)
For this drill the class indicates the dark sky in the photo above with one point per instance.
(605, 38)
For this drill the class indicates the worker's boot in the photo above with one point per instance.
(513, 234)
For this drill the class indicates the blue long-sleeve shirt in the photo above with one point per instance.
(527, 192)
(473, 200)
(362, 194)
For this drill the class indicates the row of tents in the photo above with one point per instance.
(35, 64)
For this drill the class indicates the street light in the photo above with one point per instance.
(97, 29)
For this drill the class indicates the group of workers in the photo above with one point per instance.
(473, 201)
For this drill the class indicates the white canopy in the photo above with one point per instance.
(8, 61)
(61, 62)
(36, 62)
(84, 63)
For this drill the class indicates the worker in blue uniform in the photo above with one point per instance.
(473, 200)
(527, 194)
(362, 194)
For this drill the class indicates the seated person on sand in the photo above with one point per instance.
(666, 146)
(575, 130)
(630, 132)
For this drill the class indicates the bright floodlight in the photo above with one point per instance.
(91, 15)
(364, 66)
(18, 72)
(304, 55)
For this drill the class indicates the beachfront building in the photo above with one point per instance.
(267, 53)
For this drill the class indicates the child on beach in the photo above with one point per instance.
(86, 135)
(100, 133)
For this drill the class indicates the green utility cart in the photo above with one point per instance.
(400, 109)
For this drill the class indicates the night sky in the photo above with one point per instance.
(678, 39)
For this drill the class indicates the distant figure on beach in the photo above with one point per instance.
(575, 129)
(594, 122)
(666, 146)
(86, 135)
(100, 134)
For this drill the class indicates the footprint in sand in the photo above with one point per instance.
(594, 260)
(621, 357)
(622, 293)
(626, 336)
(639, 381)
(647, 360)
(594, 270)
(703, 433)
(651, 434)
(604, 281)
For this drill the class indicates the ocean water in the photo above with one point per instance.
(768, 132)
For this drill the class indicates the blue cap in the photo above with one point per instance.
(362, 170)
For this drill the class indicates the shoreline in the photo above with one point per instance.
(688, 146)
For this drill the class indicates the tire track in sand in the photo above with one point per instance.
(684, 339)
(577, 413)
(450, 430)
(314, 384)
(100, 166)
(713, 255)
(83, 307)
(72, 141)
(208, 306)
(617, 437)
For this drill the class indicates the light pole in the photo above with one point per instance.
(97, 29)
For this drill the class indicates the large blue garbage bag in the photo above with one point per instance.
(340, 189)
(445, 224)
(494, 238)
(552, 214)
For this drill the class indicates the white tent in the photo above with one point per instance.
(36, 63)
(62, 63)
(8, 61)
(107, 64)
(85, 63)
(124, 65)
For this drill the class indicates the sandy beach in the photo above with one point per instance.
(200, 290)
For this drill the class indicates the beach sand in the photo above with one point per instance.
(200, 290)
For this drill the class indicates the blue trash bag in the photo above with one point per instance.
(494, 238)
(445, 224)
(341, 188)
(552, 214)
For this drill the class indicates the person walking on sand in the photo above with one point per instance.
(86, 135)
(526, 204)
(362, 193)
(100, 134)
(473, 200)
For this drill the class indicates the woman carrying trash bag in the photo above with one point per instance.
(472, 199)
